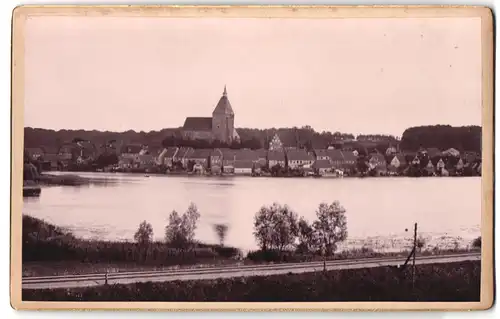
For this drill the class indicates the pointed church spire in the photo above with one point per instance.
(225, 91)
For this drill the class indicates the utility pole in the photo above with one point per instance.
(414, 253)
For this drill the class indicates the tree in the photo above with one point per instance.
(174, 234)
(144, 235)
(221, 231)
(189, 221)
(180, 229)
(308, 240)
(331, 226)
(276, 227)
(263, 228)
(476, 243)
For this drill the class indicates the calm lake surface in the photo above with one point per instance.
(447, 210)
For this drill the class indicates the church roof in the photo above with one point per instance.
(198, 124)
(224, 107)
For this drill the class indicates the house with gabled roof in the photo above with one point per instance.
(322, 166)
(297, 158)
(243, 167)
(321, 154)
(275, 144)
(350, 159)
(377, 162)
(397, 163)
(262, 157)
(276, 158)
(170, 155)
(215, 162)
(336, 158)
(438, 164)
(199, 156)
(180, 157)
(429, 167)
(228, 158)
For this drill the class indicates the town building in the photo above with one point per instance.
(169, 155)
(261, 157)
(199, 157)
(377, 162)
(336, 158)
(397, 163)
(243, 167)
(218, 127)
(276, 158)
(228, 158)
(297, 158)
(216, 161)
(429, 167)
(322, 166)
(321, 154)
(276, 144)
(180, 157)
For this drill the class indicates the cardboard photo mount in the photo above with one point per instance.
(22, 13)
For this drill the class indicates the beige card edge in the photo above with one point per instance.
(21, 13)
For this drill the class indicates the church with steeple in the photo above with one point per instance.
(218, 127)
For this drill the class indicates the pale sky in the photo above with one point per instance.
(349, 75)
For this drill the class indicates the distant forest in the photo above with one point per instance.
(466, 138)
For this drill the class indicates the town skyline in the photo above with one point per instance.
(115, 74)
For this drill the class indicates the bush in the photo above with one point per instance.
(435, 282)
(476, 243)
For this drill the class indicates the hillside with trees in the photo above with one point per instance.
(463, 138)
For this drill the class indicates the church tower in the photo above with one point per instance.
(223, 120)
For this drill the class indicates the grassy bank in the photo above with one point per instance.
(49, 250)
(436, 282)
(46, 248)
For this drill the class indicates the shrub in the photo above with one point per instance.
(476, 243)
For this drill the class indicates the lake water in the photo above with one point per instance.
(447, 210)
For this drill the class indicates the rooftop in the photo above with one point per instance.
(198, 124)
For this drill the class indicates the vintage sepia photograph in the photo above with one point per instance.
(245, 155)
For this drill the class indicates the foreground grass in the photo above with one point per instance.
(434, 282)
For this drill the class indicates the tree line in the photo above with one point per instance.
(463, 138)
(277, 228)
(466, 138)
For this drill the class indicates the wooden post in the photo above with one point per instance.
(414, 253)
(106, 277)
